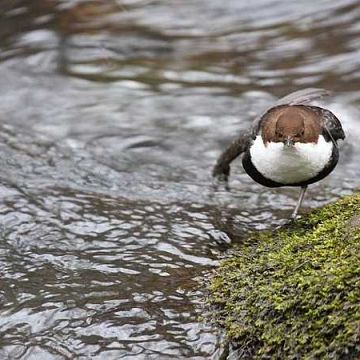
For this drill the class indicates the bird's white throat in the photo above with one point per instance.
(289, 165)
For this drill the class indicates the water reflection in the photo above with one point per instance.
(102, 274)
(112, 115)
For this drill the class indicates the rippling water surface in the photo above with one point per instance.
(111, 116)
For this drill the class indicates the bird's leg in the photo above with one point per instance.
(221, 170)
(301, 198)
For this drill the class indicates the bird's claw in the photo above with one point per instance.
(221, 180)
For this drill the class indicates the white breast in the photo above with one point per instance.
(288, 165)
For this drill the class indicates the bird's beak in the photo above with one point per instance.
(289, 142)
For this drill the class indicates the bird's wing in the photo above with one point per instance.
(332, 125)
(303, 97)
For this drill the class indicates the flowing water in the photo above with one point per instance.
(112, 114)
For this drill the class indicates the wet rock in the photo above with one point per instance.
(295, 293)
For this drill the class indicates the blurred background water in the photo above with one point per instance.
(112, 114)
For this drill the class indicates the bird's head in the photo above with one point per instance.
(290, 125)
(289, 131)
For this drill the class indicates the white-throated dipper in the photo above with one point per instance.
(292, 144)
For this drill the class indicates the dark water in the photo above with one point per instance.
(111, 116)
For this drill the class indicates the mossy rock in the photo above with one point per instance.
(295, 293)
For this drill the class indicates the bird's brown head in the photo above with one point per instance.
(290, 125)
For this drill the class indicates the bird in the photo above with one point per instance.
(293, 143)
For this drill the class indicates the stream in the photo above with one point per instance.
(112, 114)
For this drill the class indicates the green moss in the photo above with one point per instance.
(295, 293)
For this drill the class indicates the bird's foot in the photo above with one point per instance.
(294, 217)
(221, 181)
(284, 223)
